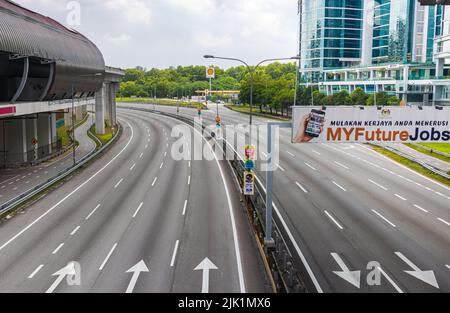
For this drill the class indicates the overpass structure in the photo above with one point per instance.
(46, 71)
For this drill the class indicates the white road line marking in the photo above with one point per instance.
(118, 184)
(142, 154)
(385, 219)
(311, 167)
(282, 169)
(447, 266)
(165, 154)
(161, 166)
(339, 186)
(132, 168)
(36, 271)
(378, 185)
(185, 207)
(138, 209)
(189, 164)
(92, 213)
(444, 221)
(58, 248)
(400, 197)
(390, 280)
(420, 208)
(334, 220)
(318, 153)
(154, 181)
(341, 165)
(107, 257)
(291, 154)
(174, 255)
(189, 180)
(75, 230)
(146, 146)
(301, 187)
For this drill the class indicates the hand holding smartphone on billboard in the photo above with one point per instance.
(311, 126)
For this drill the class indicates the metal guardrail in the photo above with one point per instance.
(24, 197)
(431, 150)
(423, 164)
(288, 272)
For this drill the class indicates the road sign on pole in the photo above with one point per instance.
(249, 183)
(210, 73)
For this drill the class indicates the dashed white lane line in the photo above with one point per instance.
(400, 197)
(316, 152)
(334, 220)
(447, 266)
(118, 183)
(107, 257)
(142, 154)
(291, 154)
(341, 165)
(385, 219)
(58, 248)
(92, 213)
(378, 185)
(161, 166)
(189, 164)
(310, 166)
(301, 187)
(132, 168)
(174, 255)
(36, 271)
(444, 221)
(420, 208)
(138, 209)
(154, 181)
(339, 186)
(390, 280)
(282, 169)
(165, 154)
(185, 207)
(189, 180)
(75, 230)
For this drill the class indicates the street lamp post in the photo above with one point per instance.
(252, 72)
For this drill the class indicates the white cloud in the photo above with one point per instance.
(136, 11)
(117, 39)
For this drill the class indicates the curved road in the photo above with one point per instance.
(135, 209)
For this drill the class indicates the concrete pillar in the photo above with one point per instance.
(68, 118)
(78, 113)
(44, 135)
(54, 133)
(440, 67)
(100, 110)
(114, 89)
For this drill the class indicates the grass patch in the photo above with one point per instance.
(443, 147)
(412, 165)
(104, 139)
(257, 112)
(165, 102)
(427, 152)
(63, 135)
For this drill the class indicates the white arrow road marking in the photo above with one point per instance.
(68, 270)
(136, 270)
(352, 277)
(206, 265)
(425, 276)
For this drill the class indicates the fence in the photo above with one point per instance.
(11, 160)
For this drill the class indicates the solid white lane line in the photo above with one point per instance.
(339, 186)
(318, 153)
(334, 220)
(132, 168)
(378, 185)
(282, 169)
(107, 257)
(92, 213)
(421, 209)
(58, 248)
(301, 187)
(385, 219)
(75, 230)
(189, 180)
(154, 181)
(161, 166)
(311, 167)
(341, 165)
(174, 255)
(291, 154)
(118, 183)
(390, 280)
(36, 271)
(138, 209)
(185, 207)
(444, 221)
(400, 197)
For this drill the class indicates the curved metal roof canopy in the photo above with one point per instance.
(41, 59)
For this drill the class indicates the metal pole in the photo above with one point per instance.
(268, 240)
(73, 126)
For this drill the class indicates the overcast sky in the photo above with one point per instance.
(163, 33)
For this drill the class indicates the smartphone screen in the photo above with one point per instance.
(316, 120)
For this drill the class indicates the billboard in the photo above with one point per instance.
(371, 124)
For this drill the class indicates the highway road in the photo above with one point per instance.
(14, 182)
(359, 221)
(135, 221)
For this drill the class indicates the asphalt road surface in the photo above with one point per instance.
(135, 221)
(358, 221)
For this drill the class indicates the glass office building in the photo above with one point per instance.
(377, 45)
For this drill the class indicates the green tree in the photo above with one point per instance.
(359, 97)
